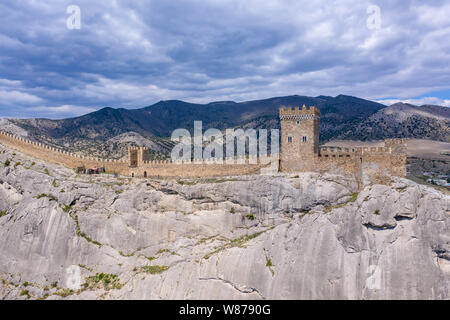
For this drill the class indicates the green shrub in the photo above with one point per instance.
(7, 163)
(154, 269)
(43, 195)
(232, 210)
(46, 171)
(3, 213)
(353, 198)
(250, 217)
(66, 208)
(106, 281)
(17, 164)
(377, 212)
(25, 293)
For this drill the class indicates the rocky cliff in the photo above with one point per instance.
(251, 237)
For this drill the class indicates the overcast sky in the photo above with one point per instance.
(134, 53)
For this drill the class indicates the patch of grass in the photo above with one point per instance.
(126, 255)
(33, 163)
(82, 234)
(377, 212)
(352, 199)
(155, 269)
(250, 217)
(64, 292)
(25, 293)
(3, 213)
(84, 267)
(49, 196)
(46, 171)
(17, 164)
(26, 284)
(187, 183)
(106, 281)
(238, 242)
(45, 296)
(62, 191)
(54, 184)
(151, 258)
(7, 163)
(270, 265)
(66, 208)
(166, 250)
(232, 210)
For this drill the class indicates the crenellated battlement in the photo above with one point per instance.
(299, 114)
(56, 155)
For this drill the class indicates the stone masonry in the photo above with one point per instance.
(300, 152)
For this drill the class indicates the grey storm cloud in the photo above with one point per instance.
(135, 53)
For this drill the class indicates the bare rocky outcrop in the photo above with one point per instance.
(309, 236)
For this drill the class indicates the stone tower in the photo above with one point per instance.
(299, 138)
(137, 156)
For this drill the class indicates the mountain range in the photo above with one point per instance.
(108, 131)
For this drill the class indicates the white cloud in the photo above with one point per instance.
(64, 110)
(418, 102)
(132, 54)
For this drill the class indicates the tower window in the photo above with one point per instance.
(298, 122)
(289, 139)
(304, 138)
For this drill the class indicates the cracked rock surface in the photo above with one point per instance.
(311, 236)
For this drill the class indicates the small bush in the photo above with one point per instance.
(46, 171)
(154, 269)
(66, 208)
(377, 212)
(43, 195)
(3, 213)
(250, 217)
(65, 292)
(7, 163)
(353, 196)
(17, 164)
(232, 210)
(25, 293)
(106, 281)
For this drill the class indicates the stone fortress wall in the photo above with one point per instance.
(300, 152)
(59, 156)
(300, 133)
(139, 164)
